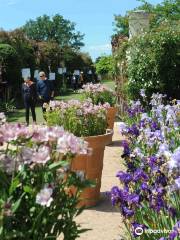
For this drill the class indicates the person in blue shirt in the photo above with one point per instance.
(45, 90)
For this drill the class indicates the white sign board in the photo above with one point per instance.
(26, 72)
(60, 70)
(36, 74)
(76, 72)
(52, 76)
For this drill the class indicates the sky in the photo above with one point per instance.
(94, 18)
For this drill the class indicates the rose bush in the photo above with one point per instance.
(35, 198)
(80, 118)
(99, 94)
(149, 197)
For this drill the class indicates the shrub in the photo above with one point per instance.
(35, 197)
(7, 106)
(154, 63)
(80, 118)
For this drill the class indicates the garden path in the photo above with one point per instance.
(104, 220)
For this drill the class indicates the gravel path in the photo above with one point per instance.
(104, 220)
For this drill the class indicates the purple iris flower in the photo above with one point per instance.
(131, 166)
(144, 186)
(133, 130)
(158, 135)
(142, 124)
(161, 179)
(162, 238)
(152, 161)
(173, 235)
(115, 195)
(160, 191)
(154, 126)
(125, 145)
(124, 195)
(172, 211)
(157, 203)
(133, 198)
(139, 174)
(124, 177)
(127, 212)
(177, 225)
(176, 156)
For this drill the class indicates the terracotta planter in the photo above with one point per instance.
(92, 165)
(111, 114)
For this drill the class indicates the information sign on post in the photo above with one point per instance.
(52, 76)
(76, 72)
(26, 72)
(36, 74)
(60, 70)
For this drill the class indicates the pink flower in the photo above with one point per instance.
(14, 131)
(27, 154)
(69, 143)
(44, 196)
(2, 118)
(42, 155)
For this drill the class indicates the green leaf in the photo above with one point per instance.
(57, 165)
(17, 203)
(14, 184)
(4, 178)
(28, 189)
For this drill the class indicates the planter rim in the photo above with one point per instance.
(108, 133)
(115, 106)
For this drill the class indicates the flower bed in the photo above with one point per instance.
(149, 198)
(80, 118)
(99, 93)
(35, 202)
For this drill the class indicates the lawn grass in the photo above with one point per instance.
(19, 114)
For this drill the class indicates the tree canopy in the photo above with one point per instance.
(55, 29)
(105, 65)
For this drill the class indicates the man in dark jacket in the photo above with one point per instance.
(45, 90)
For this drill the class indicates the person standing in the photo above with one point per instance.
(29, 97)
(45, 90)
(74, 82)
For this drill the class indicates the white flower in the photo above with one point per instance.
(44, 197)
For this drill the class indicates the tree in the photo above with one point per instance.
(168, 10)
(22, 45)
(11, 66)
(55, 29)
(105, 65)
(77, 60)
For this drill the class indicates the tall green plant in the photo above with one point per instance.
(153, 63)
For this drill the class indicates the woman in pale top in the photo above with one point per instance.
(29, 94)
